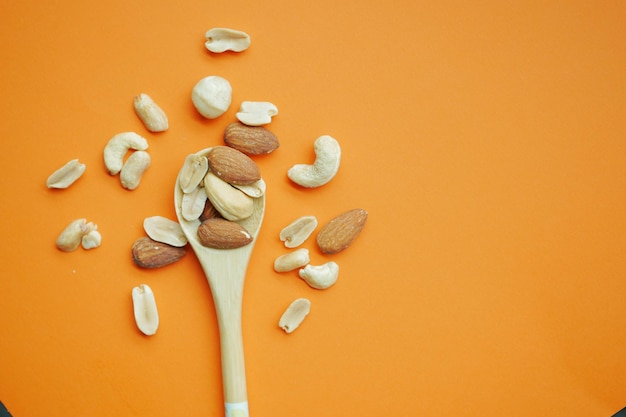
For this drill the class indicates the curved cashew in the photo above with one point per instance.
(320, 276)
(118, 146)
(327, 158)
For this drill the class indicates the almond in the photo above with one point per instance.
(209, 211)
(340, 232)
(220, 233)
(233, 166)
(251, 140)
(148, 253)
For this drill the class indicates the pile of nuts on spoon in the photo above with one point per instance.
(219, 189)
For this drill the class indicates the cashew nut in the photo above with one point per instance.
(66, 175)
(298, 231)
(327, 158)
(212, 96)
(292, 260)
(133, 169)
(118, 146)
(224, 39)
(320, 276)
(145, 309)
(294, 315)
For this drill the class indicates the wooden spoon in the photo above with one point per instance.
(226, 270)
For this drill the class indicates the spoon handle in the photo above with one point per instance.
(233, 365)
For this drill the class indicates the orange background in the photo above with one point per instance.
(485, 139)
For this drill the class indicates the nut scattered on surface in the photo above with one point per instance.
(134, 168)
(150, 114)
(164, 230)
(298, 231)
(233, 166)
(230, 202)
(320, 276)
(145, 309)
(327, 159)
(66, 175)
(223, 39)
(148, 253)
(292, 260)
(212, 96)
(251, 140)
(71, 236)
(256, 113)
(193, 171)
(294, 315)
(117, 147)
(340, 232)
(77, 232)
(91, 240)
(219, 233)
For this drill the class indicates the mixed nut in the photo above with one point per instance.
(219, 189)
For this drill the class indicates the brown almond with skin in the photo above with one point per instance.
(148, 253)
(233, 166)
(220, 233)
(251, 140)
(209, 211)
(340, 232)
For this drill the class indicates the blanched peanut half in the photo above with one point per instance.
(145, 309)
(164, 230)
(134, 168)
(117, 147)
(327, 159)
(230, 202)
(193, 203)
(320, 276)
(292, 260)
(256, 113)
(298, 231)
(294, 315)
(254, 190)
(224, 39)
(151, 115)
(193, 171)
(66, 175)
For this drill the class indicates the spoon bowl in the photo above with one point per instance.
(225, 270)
